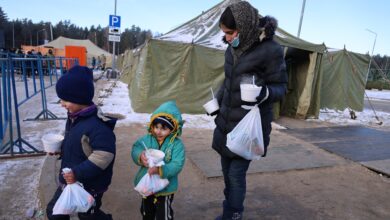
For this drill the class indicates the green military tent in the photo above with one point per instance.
(344, 76)
(186, 62)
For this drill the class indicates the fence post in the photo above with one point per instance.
(47, 114)
(9, 146)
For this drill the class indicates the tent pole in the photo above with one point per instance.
(300, 21)
(372, 52)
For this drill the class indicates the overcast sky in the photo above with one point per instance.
(334, 22)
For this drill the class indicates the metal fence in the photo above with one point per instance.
(32, 71)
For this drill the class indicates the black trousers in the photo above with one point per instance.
(94, 213)
(157, 208)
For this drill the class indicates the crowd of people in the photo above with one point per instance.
(31, 66)
(99, 63)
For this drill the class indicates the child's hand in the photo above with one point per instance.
(144, 159)
(153, 170)
(69, 177)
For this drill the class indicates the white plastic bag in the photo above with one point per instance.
(74, 198)
(155, 157)
(246, 139)
(150, 184)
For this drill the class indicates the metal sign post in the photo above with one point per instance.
(114, 33)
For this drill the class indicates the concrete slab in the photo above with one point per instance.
(368, 150)
(293, 123)
(294, 155)
(326, 134)
(382, 166)
(370, 147)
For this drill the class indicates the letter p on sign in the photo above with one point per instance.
(115, 21)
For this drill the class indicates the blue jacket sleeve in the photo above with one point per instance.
(276, 80)
(100, 150)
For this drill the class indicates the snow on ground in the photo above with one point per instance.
(119, 103)
(367, 117)
(375, 94)
(23, 192)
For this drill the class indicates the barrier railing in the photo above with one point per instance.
(30, 70)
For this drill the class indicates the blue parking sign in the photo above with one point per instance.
(115, 21)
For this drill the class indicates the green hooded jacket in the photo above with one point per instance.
(172, 146)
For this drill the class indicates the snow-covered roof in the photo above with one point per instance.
(92, 49)
(202, 30)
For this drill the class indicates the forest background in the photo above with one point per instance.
(25, 32)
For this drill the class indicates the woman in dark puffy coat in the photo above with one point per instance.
(251, 51)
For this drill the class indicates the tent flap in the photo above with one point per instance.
(344, 83)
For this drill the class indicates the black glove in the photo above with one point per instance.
(264, 93)
(213, 113)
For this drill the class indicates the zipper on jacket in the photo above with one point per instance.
(231, 97)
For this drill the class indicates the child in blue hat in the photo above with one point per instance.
(88, 148)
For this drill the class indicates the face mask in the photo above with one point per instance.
(236, 41)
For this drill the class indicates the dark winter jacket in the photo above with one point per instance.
(89, 150)
(264, 60)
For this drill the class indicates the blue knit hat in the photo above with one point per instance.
(76, 86)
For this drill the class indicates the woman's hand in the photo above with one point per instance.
(264, 93)
(214, 113)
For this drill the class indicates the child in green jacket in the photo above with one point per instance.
(163, 131)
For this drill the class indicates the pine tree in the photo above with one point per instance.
(3, 19)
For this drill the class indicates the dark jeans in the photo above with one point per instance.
(94, 213)
(234, 175)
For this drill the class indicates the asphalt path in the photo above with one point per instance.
(378, 105)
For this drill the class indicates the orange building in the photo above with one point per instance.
(78, 52)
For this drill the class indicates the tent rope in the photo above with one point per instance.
(368, 99)
(384, 77)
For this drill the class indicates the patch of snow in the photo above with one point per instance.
(366, 117)
(375, 94)
(23, 192)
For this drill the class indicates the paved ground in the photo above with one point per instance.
(367, 146)
(297, 180)
(378, 105)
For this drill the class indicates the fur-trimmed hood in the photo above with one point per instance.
(267, 26)
(170, 110)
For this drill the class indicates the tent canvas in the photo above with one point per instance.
(92, 49)
(166, 70)
(186, 62)
(345, 73)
